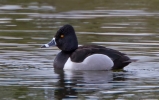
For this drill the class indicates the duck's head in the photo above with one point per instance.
(65, 39)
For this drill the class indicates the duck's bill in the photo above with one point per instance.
(49, 44)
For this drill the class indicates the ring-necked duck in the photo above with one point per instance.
(90, 57)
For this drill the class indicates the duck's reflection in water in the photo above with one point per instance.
(73, 84)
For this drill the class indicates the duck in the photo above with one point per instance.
(87, 57)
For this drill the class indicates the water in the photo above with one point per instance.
(26, 71)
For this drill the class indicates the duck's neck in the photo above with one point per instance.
(69, 52)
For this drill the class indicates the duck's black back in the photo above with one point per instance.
(120, 59)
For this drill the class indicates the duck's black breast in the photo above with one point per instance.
(120, 59)
(60, 60)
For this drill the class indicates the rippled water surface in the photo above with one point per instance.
(26, 71)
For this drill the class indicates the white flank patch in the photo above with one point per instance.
(92, 62)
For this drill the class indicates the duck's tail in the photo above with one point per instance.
(131, 60)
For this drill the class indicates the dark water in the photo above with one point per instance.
(26, 71)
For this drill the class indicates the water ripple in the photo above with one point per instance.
(96, 13)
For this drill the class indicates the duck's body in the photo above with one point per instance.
(90, 57)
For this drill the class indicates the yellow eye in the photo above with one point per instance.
(62, 36)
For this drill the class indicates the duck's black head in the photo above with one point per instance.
(65, 39)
